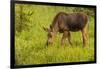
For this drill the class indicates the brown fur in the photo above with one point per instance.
(64, 23)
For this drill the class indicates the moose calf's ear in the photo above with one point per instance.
(45, 29)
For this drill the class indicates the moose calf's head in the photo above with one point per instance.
(50, 35)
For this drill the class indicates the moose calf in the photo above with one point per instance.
(64, 23)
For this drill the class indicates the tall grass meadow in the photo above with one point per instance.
(30, 38)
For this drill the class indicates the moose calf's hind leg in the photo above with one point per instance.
(65, 34)
(84, 36)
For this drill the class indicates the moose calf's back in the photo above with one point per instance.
(70, 22)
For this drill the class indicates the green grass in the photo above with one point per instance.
(30, 44)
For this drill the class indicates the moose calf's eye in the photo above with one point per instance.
(49, 35)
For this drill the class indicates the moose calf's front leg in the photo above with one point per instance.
(65, 34)
(69, 38)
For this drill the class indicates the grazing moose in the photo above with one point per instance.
(64, 23)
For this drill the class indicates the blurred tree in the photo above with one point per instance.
(23, 13)
(88, 11)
